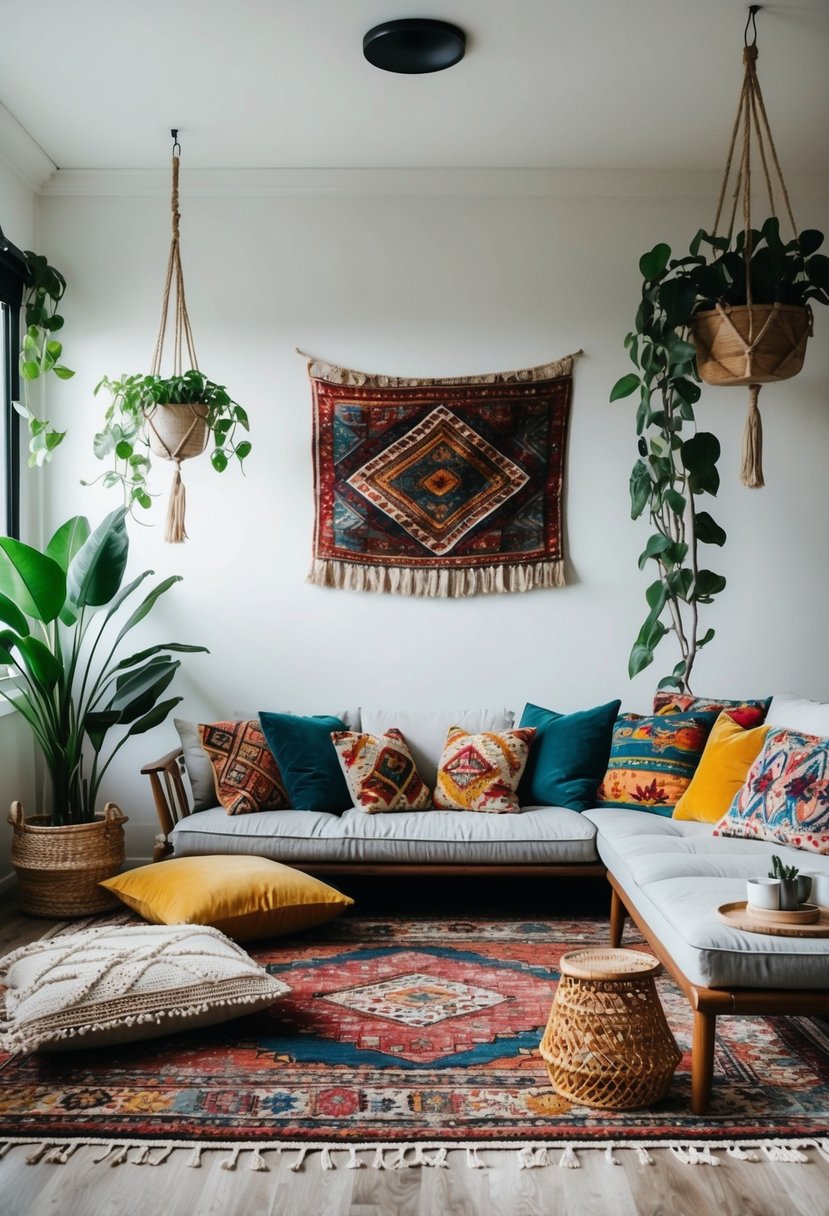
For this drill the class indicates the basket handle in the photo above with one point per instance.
(15, 817)
(113, 814)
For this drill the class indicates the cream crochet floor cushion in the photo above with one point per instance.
(122, 983)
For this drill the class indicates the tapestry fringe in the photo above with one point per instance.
(431, 1155)
(351, 576)
(332, 373)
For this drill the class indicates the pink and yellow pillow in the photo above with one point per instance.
(729, 754)
(786, 795)
(380, 772)
(245, 773)
(481, 772)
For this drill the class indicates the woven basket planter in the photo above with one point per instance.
(59, 868)
(756, 345)
(177, 432)
(607, 1043)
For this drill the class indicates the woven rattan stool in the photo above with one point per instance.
(607, 1042)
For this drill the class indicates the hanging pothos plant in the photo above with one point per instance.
(677, 466)
(40, 350)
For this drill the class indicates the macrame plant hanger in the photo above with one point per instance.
(751, 122)
(176, 432)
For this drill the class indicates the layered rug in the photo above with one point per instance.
(399, 1040)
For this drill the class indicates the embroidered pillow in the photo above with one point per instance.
(729, 754)
(747, 713)
(786, 795)
(652, 760)
(380, 772)
(482, 772)
(245, 773)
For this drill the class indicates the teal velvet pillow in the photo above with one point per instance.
(569, 756)
(307, 760)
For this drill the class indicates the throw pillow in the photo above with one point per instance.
(652, 760)
(786, 795)
(481, 772)
(245, 897)
(747, 713)
(568, 757)
(380, 773)
(244, 770)
(729, 754)
(308, 760)
(800, 714)
(123, 983)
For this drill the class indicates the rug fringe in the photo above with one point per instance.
(443, 583)
(333, 373)
(424, 1155)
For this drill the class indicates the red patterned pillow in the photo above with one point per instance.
(244, 771)
(745, 713)
(380, 772)
(481, 772)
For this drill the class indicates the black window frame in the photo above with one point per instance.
(13, 275)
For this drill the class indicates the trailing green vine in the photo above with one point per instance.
(41, 351)
(677, 466)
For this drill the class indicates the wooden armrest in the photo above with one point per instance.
(169, 794)
(164, 764)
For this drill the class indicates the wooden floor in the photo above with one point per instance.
(667, 1188)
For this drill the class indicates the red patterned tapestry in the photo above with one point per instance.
(439, 487)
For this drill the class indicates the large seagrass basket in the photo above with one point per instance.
(59, 868)
(177, 432)
(607, 1043)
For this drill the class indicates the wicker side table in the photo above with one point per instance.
(607, 1042)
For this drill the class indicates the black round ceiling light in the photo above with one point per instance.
(415, 44)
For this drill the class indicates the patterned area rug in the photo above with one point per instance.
(410, 1031)
(430, 487)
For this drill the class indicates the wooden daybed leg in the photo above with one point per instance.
(618, 916)
(702, 1060)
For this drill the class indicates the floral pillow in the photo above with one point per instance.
(245, 773)
(786, 795)
(481, 772)
(380, 772)
(652, 760)
(746, 713)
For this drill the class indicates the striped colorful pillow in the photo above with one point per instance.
(652, 760)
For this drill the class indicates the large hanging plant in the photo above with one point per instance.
(676, 468)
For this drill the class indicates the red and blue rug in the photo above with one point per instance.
(403, 1031)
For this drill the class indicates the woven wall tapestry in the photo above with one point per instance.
(439, 487)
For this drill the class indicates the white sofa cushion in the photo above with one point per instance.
(535, 836)
(798, 713)
(425, 730)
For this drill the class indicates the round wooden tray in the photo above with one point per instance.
(735, 914)
(806, 914)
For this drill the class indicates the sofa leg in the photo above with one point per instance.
(618, 916)
(702, 1060)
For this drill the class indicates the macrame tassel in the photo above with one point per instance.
(143, 1154)
(229, 1163)
(473, 1161)
(610, 1157)
(326, 1160)
(41, 1152)
(162, 1156)
(379, 1162)
(354, 1162)
(785, 1152)
(644, 1156)
(751, 474)
(120, 1157)
(300, 1161)
(258, 1162)
(194, 1162)
(398, 1161)
(569, 1160)
(532, 1159)
(174, 532)
(694, 1156)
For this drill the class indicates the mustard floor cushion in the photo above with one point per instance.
(244, 897)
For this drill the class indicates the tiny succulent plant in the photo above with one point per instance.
(784, 873)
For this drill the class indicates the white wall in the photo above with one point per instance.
(424, 285)
(17, 218)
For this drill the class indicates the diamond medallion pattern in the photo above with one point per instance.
(439, 481)
(416, 999)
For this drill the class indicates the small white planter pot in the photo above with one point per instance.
(763, 892)
(820, 889)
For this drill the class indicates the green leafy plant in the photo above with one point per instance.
(677, 464)
(123, 436)
(781, 871)
(60, 634)
(41, 351)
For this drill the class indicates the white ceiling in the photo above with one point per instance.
(648, 84)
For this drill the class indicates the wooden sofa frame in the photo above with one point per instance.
(172, 805)
(709, 1003)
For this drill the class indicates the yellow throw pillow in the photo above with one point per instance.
(729, 754)
(244, 897)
